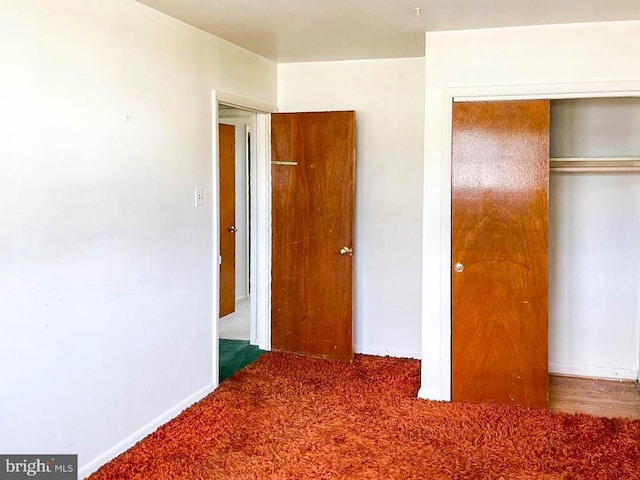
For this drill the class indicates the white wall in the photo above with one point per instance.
(523, 62)
(240, 120)
(594, 242)
(388, 97)
(594, 275)
(105, 264)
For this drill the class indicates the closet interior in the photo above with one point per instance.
(594, 241)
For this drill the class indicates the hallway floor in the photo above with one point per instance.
(235, 355)
(235, 350)
(235, 326)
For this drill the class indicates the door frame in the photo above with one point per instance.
(436, 242)
(260, 242)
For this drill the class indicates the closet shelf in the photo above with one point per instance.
(595, 165)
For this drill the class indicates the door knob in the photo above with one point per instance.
(458, 267)
(233, 229)
(346, 251)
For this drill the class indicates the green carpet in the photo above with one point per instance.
(235, 355)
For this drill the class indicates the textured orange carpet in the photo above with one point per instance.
(287, 417)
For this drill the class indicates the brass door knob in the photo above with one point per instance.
(346, 251)
(458, 267)
(233, 229)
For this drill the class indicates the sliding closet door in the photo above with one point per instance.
(500, 184)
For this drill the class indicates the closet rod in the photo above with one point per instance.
(595, 165)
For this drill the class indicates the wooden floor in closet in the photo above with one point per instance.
(602, 398)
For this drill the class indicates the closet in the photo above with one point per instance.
(522, 264)
(594, 238)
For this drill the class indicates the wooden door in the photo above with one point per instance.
(500, 178)
(227, 165)
(313, 184)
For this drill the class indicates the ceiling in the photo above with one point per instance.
(313, 30)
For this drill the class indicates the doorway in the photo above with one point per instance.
(258, 230)
(237, 339)
(260, 201)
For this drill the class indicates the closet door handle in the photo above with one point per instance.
(458, 267)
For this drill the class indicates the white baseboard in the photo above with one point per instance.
(88, 468)
(594, 372)
(386, 352)
(431, 394)
(242, 298)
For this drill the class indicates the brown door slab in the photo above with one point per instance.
(313, 185)
(500, 184)
(227, 159)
